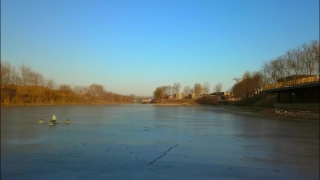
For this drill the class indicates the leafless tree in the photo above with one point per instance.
(283, 66)
(65, 87)
(237, 79)
(8, 74)
(308, 58)
(26, 73)
(36, 79)
(295, 63)
(165, 90)
(315, 48)
(256, 82)
(169, 90)
(49, 83)
(206, 88)
(176, 88)
(187, 90)
(269, 69)
(197, 89)
(81, 90)
(218, 87)
(96, 90)
(300, 61)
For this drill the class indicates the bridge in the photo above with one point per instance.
(301, 93)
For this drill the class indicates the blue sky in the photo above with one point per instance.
(133, 46)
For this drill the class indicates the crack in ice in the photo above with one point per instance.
(162, 155)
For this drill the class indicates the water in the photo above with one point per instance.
(154, 142)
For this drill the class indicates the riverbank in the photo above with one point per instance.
(157, 104)
(63, 104)
(176, 102)
(283, 113)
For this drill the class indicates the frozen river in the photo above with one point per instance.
(154, 142)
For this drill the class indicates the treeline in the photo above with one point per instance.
(303, 60)
(25, 86)
(164, 92)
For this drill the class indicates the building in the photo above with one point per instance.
(224, 96)
(221, 94)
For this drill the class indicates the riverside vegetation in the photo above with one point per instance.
(304, 60)
(27, 87)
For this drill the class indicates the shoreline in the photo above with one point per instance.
(176, 104)
(296, 115)
(61, 104)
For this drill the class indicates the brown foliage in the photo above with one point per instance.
(29, 87)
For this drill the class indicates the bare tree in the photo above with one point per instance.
(187, 90)
(237, 79)
(206, 88)
(295, 62)
(284, 67)
(308, 59)
(96, 90)
(8, 74)
(169, 90)
(300, 61)
(256, 82)
(36, 79)
(176, 88)
(197, 89)
(81, 90)
(49, 83)
(65, 87)
(26, 73)
(109, 96)
(164, 90)
(218, 87)
(271, 72)
(315, 48)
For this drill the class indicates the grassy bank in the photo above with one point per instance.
(262, 101)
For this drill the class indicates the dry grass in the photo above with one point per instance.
(263, 101)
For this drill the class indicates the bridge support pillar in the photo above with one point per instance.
(278, 97)
(290, 93)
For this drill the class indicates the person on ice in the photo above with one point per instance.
(54, 118)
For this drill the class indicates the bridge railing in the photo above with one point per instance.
(292, 82)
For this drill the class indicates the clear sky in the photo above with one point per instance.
(133, 46)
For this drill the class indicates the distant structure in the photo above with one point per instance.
(146, 101)
(295, 92)
(222, 96)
